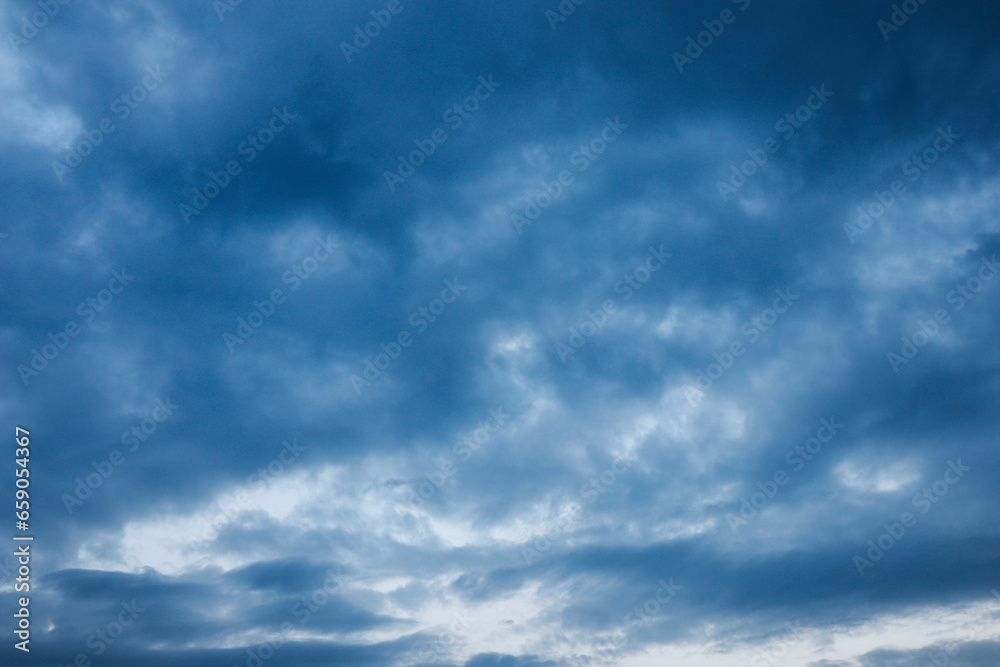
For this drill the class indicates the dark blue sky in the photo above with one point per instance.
(525, 334)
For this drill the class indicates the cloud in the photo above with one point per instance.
(652, 451)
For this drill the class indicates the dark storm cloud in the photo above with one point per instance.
(499, 660)
(313, 654)
(969, 654)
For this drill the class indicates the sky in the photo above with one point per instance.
(532, 334)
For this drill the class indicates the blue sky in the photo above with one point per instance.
(533, 334)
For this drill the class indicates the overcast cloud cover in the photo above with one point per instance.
(517, 334)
